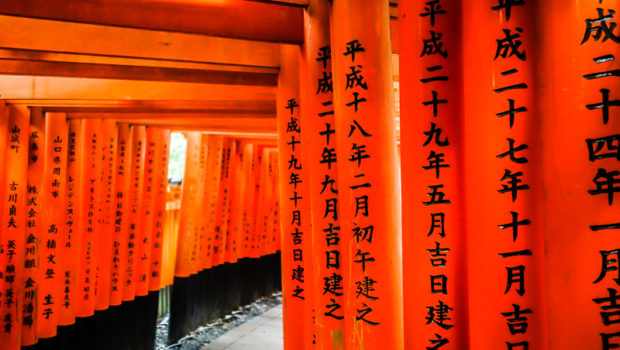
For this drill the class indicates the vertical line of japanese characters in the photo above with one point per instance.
(320, 154)
(368, 177)
(294, 202)
(503, 175)
(431, 120)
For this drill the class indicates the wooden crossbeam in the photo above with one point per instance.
(230, 18)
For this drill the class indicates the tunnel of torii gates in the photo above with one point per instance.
(432, 174)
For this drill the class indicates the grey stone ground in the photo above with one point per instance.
(258, 322)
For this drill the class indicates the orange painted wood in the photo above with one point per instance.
(434, 241)
(105, 240)
(90, 133)
(244, 251)
(34, 232)
(233, 236)
(367, 175)
(161, 188)
(294, 207)
(273, 228)
(233, 18)
(186, 258)
(318, 125)
(70, 240)
(53, 225)
(212, 183)
(120, 237)
(147, 212)
(232, 186)
(221, 201)
(503, 190)
(136, 173)
(581, 225)
(262, 207)
(201, 223)
(12, 237)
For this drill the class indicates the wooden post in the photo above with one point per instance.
(318, 130)
(37, 156)
(434, 235)
(148, 211)
(12, 236)
(161, 189)
(294, 205)
(579, 117)
(90, 162)
(503, 187)
(121, 217)
(368, 180)
(105, 242)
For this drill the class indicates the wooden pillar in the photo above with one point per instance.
(579, 116)
(121, 214)
(136, 173)
(503, 182)
(37, 156)
(147, 211)
(294, 205)
(105, 242)
(368, 180)
(12, 236)
(89, 191)
(431, 124)
(161, 189)
(320, 154)
(70, 240)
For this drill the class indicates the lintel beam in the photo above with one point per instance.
(230, 18)
(124, 72)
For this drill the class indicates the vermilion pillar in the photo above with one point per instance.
(294, 205)
(136, 172)
(105, 241)
(70, 239)
(368, 181)
(319, 136)
(431, 124)
(212, 184)
(12, 236)
(90, 133)
(121, 214)
(36, 158)
(148, 211)
(52, 224)
(579, 117)
(161, 190)
(503, 187)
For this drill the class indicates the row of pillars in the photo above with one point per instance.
(89, 237)
(507, 234)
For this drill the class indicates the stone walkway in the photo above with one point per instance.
(263, 332)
